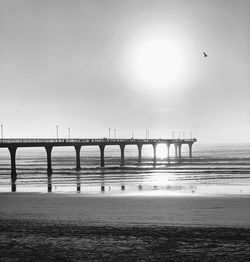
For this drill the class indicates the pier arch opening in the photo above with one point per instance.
(131, 155)
(90, 156)
(147, 154)
(31, 166)
(5, 167)
(161, 151)
(172, 151)
(4, 160)
(112, 155)
(31, 158)
(185, 150)
(63, 158)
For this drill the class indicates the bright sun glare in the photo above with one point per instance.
(161, 151)
(158, 63)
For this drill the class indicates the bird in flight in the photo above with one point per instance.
(205, 55)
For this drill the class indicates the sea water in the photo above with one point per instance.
(215, 169)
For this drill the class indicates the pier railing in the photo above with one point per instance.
(89, 140)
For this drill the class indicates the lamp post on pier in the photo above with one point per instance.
(69, 132)
(56, 131)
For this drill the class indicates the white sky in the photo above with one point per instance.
(67, 63)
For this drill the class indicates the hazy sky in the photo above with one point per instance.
(87, 65)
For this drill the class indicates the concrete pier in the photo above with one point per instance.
(49, 184)
(12, 150)
(78, 160)
(48, 144)
(190, 149)
(154, 149)
(176, 150)
(179, 147)
(122, 147)
(102, 148)
(78, 183)
(139, 153)
(168, 151)
(49, 164)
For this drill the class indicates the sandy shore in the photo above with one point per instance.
(56, 227)
(128, 210)
(52, 240)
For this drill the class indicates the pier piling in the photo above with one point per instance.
(102, 148)
(49, 165)
(168, 151)
(139, 153)
(122, 147)
(154, 148)
(78, 159)
(179, 146)
(190, 149)
(12, 151)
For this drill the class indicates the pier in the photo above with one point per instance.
(49, 144)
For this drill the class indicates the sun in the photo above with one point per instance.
(161, 151)
(158, 62)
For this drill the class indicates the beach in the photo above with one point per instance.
(129, 209)
(57, 227)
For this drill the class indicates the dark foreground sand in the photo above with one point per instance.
(33, 240)
(43, 227)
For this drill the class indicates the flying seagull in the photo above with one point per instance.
(205, 55)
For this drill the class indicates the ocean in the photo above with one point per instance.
(215, 169)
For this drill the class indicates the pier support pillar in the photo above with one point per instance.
(179, 146)
(78, 183)
(176, 150)
(78, 160)
(102, 147)
(168, 154)
(13, 167)
(13, 186)
(190, 149)
(139, 153)
(49, 165)
(154, 147)
(122, 147)
(49, 184)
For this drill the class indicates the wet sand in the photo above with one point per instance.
(129, 209)
(55, 227)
